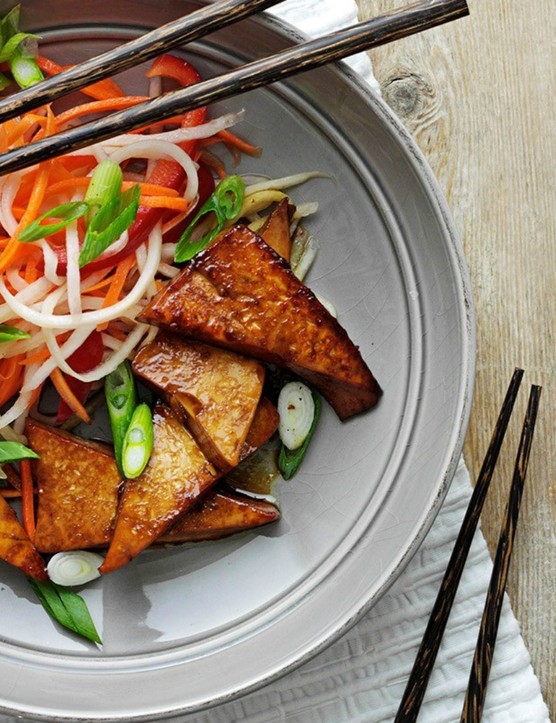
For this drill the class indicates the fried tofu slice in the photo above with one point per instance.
(265, 423)
(78, 485)
(221, 513)
(240, 294)
(276, 231)
(15, 546)
(173, 480)
(217, 391)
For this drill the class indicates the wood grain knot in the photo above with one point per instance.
(407, 94)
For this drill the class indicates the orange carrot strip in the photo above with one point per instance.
(37, 357)
(68, 184)
(27, 498)
(151, 189)
(100, 106)
(118, 281)
(106, 88)
(231, 139)
(63, 389)
(215, 163)
(11, 376)
(175, 204)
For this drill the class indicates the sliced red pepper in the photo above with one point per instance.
(87, 357)
(170, 66)
(165, 173)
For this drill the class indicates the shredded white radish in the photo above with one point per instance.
(73, 272)
(107, 366)
(206, 130)
(284, 182)
(70, 321)
(50, 263)
(9, 186)
(162, 149)
(31, 294)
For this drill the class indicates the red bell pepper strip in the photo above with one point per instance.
(165, 173)
(87, 357)
(170, 66)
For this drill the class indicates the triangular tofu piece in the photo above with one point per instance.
(221, 513)
(175, 477)
(15, 546)
(240, 294)
(78, 484)
(216, 390)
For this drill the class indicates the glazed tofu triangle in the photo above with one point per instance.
(241, 295)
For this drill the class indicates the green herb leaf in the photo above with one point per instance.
(4, 81)
(14, 451)
(9, 25)
(11, 333)
(67, 608)
(225, 203)
(110, 222)
(66, 212)
(289, 461)
(121, 400)
(138, 442)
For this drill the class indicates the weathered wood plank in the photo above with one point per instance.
(478, 96)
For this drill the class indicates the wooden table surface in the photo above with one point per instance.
(478, 96)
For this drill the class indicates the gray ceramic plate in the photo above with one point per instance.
(191, 627)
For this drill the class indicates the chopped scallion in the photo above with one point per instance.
(66, 212)
(15, 451)
(138, 442)
(225, 203)
(12, 333)
(121, 400)
(109, 223)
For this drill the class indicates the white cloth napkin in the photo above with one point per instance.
(361, 677)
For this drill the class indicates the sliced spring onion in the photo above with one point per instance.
(4, 81)
(12, 333)
(66, 212)
(121, 400)
(138, 442)
(66, 607)
(105, 184)
(109, 223)
(10, 46)
(14, 451)
(74, 567)
(289, 460)
(225, 203)
(296, 408)
(25, 71)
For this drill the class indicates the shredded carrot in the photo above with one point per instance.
(231, 139)
(215, 163)
(175, 204)
(151, 189)
(27, 498)
(11, 375)
(117, 284)
(100, 90)
(63, 389)
(100, 106)
(8, 493)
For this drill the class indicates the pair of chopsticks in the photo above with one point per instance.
(426, 656)
(392, 26)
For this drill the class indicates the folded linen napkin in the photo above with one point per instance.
(361, 677)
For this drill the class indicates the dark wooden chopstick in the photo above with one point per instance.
(428, 650)
(305, 56)
(482, 660)
(184, 30)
